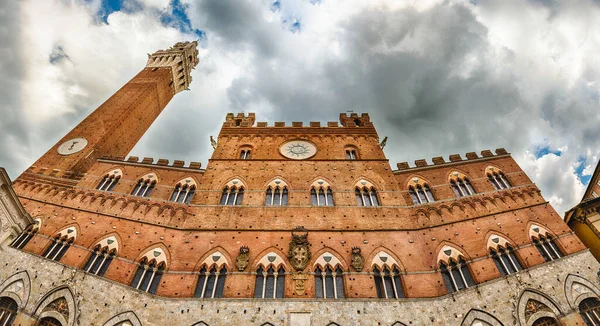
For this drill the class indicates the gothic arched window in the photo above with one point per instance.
(103, 254)
(211, 280)
(110, 180)
(505, 260)
(321, 194)
(454, 269)
(461, 184)
(590, 311)
(145, 185)
(21, 241)
(270, 277)
(420, 193)
(49, 321)
(497, 178)
(184, 191)
(544, 242)
(545, 321)
(61, 243)
(8, 311)
(233, 193)
(150, 270)
(329, 277)
(386, 275)
(277, 193)
(366, 195)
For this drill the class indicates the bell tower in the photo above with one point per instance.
(116, 126)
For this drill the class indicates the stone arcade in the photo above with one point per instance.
(286, 225)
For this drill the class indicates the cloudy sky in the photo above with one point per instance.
(436, 77)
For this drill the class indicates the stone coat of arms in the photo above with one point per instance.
(299, 253)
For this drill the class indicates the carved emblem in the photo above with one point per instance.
(242, 259)
(299, 279)
(358, 261)
(59, 305)
(299, 252)
(534, 306)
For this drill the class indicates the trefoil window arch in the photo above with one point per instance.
(329, 277)
(270, 277)
(61, 243)
(233, 193)
(386, 274)
(21, 241)
(211, 280)
(104, 253)
(145, 185)
(277, 193)
(366, 195)
(150, 270)
(460, 184)
(184, 191)
(321, 193)
(503, 255)
(544, 242)
(110, 180)
(419, 191)
(497, 178)
(454, 269)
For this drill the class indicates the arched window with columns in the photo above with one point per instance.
(503, 255)
(110, 180)
(145, 185)
(21, 241)
(454, 269)
(544, 242)
(497, 178)
(270, 277)
(460, 184)
(61, 243)
(277, 193)
(329, 277)
(321, 193)
(8, 311)
(590, 311)
(386, 274)
(150, 270)
(184, 191)
(211, 279)
(104, 253)
(366, 195)
(233, 193)
(420, 192)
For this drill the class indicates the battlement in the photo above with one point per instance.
(353, 120)
(453, 158)
(181, 58)
(162, 162)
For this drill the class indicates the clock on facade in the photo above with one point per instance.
(298, 149)
(72, 146)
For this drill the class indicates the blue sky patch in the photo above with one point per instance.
(545, 150)
(276, 6)
(581, 163)
(176, 16)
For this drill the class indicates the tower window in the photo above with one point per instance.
(21, 241)
(350, 154)
(245, 154)
(387, 283)
(456, 275)
(547, 247)
(276, 197)
(110, 180)
(505, 260)
(144, 186)
(148, 275)
(590, 311)
(59, 247)
(269, 283)
(461, 185)
(321, 196)
(183, 194)
(497, 178)
(421, 194)
(211, 283)
(329, 283)
(366, 196)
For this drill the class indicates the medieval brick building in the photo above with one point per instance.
(287, 225)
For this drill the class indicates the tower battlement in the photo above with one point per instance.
(181, 58)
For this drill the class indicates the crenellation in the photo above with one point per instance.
(134, 159)
(438, 160)
(501, 151)
(146, 160)
(162, 161)
(279, 124)
(487, 153)
(420, 163)
(178, 163)
(471, 156)
(315, 124)
(296, 124)
(455, 158)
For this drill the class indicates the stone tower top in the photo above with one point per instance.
(240, 120)
(181, 58)
(355, 120)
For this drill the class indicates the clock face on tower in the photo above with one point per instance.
(72, 146)
(298, 149)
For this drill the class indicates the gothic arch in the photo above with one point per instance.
(416, 179)
(61, 306)
(17, 287)
(258, 259)
(285, 181)
(544, 306)
(129, 316)
(200, 323)
(376, 255)
(502, 242)
(455, 252)
(475, 314)
(578, 289)
(315, 182)
(319, 259)
(163, 249)
(397, 323)
(217, 256)
(193, 181)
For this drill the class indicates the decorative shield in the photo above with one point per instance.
(448, 252)
(110, 241)
(495, 240)
(156, 253)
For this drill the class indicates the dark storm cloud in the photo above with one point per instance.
(12, 125)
